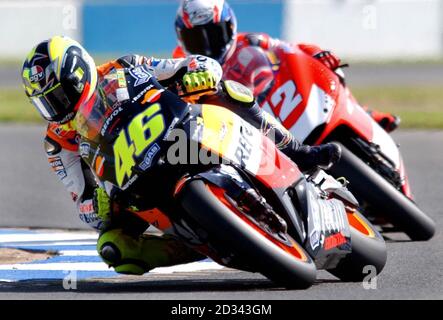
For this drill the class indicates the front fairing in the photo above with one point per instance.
(123, 127)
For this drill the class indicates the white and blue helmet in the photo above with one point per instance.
(206, 27)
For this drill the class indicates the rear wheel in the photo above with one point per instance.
(280, 259)
(383, 197)
(368, 256)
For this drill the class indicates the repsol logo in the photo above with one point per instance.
(109, 120)
(244, 148)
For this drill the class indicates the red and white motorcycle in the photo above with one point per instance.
(313, 102)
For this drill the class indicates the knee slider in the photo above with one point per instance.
(120, 251)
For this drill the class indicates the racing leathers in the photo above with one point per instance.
(64, 155)
(244, 65)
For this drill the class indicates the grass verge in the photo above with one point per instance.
(15, 107)
(419, 107)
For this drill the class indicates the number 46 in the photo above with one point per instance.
(144, 129)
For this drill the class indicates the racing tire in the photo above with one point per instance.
(290, 267)
(383, 197)
(368, 256)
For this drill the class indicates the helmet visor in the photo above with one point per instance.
(53, 104)
(211, 40)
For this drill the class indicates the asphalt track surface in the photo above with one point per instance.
(31, 195)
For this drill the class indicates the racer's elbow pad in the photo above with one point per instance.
(52, 147)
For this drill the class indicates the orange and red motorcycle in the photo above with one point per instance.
(211, 178)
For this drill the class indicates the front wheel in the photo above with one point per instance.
(369, 186)
(368, 255)
(283, 261)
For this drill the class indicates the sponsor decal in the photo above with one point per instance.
(99, 165)
(84, 148)
(110, 76)
(63, 130)
(61, 174)
(36, 74)
(192, 65)
(86, 207)
(150, 154)
(334, 240)
(89, 217)
(58, 167)
(131, 181)
(68, 117)
(244, 148)
(56, 163)
(202, 16)
(109, 120)
(122, 94)
(155, 62)
(314, 239)
(152, 96)
(138, 96)
(121, 79)
(202, 58)
(197, 63)
(140, 74)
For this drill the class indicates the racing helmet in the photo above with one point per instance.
(59, 76)
(206, 27)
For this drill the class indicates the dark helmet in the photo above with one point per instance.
(58, 76)
(206, 27)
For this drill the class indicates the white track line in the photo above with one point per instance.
(73, 253)
(189, 267)
(44, 237)
(49, 243)
(100, 266)
(74, 266)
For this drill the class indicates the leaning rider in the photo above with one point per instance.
(210, 27)
(59, 76)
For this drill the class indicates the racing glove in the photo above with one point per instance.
(326, 57)
(102, 204)
(199, 80)
(329, 59)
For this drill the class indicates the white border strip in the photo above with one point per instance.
(44, 237)
(100, 266)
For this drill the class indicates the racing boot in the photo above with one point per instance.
(309, 158)
(138, 255)
(386, 120)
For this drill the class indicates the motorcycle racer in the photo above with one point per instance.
(59, 77)
(210, 28)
